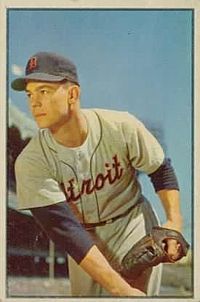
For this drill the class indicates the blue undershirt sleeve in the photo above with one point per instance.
(64, 229)
(164, 177)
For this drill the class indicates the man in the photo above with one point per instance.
(87, 160)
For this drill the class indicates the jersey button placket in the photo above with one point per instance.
(76, 185)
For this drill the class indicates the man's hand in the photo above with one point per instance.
(161, 245)
(172, 247)
(96, 265)
(137, 293)
(171, 203)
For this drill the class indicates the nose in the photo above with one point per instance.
(35, 100)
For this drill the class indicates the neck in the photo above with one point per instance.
(73, 132)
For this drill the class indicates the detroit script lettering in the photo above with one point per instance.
(112, 172)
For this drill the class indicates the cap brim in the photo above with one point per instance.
(20, 83)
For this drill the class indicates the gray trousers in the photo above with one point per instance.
(115, 240)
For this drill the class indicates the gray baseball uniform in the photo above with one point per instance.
(100, 182)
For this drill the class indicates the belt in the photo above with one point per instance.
(111, 220)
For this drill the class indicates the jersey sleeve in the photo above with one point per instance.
(164, 177)
(145, 152)
(64, 229)
(36, 186)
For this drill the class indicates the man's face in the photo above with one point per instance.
(48, 103)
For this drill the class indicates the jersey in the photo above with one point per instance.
(99, 177)
(99, 181)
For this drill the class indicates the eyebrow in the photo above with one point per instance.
(42, 86)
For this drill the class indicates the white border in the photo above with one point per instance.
(2, 153)
(197, 153)
(81, 4)
(101, 4)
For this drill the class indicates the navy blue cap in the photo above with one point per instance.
(47, 67)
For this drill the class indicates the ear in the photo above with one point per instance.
(73, 94)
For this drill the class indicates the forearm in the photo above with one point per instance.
(171, 203)
(96, 265)
(64, 229)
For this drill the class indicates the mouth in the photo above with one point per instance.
(39, 114)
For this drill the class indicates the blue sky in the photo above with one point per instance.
(134, 60)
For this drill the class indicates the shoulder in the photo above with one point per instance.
(32, 151)
(113, 117)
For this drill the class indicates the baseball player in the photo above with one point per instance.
(78, 176)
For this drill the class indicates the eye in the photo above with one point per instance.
(28, 94)
(44, 91)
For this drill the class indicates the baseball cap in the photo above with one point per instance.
(47, 67)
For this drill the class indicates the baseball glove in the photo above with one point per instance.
(151, 250)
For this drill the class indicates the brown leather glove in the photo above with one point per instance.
(151, 250)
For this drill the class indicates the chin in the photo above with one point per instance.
(42, 125)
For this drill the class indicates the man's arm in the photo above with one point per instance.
(171, 203)
(96, 265)
(64, 229)
(166, 186)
